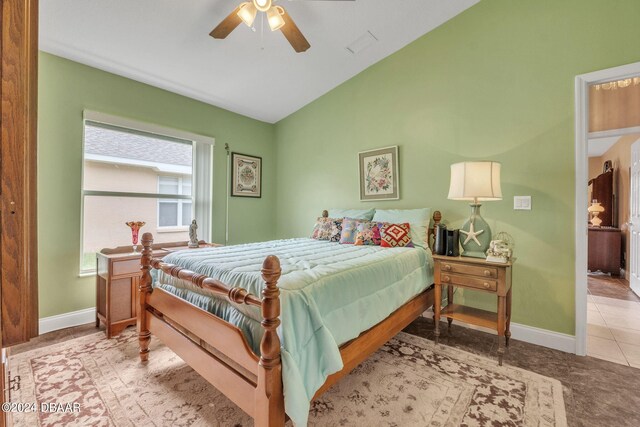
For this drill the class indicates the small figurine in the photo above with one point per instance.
(193, 237)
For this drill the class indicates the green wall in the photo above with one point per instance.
(496, 82)
(66, 88)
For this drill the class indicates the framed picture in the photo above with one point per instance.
(379, 174)
(246, 175)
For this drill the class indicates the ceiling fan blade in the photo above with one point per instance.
(293, 34)
(227, 25)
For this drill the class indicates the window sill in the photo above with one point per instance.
(87, 273)
(171, 229)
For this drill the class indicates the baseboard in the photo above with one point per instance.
(67, 320)
(530, 334)
(544, 337)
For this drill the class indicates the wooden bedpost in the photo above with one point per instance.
(144, 336)
(269, 396)
(437, 217)
(325, 213)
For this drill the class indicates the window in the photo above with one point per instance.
(174, 212)
(139, 172)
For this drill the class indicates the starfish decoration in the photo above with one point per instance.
(471, 235)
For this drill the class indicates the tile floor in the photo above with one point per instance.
(613, 321)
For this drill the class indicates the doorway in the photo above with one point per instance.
(613, 309)
(607, 310)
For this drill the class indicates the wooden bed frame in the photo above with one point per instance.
(218, 350)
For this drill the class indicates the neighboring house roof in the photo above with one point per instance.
(134, 148)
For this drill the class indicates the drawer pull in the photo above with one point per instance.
(447, 267)
(487, 273)
(446, 279)
(486, 285)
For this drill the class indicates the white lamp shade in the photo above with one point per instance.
(274, 16)
(247, 13)
(475, 181)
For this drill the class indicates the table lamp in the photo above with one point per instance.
(595, 209)
(476, 182)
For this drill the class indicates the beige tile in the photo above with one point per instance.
(599, 331)
(595, 318)
(631, 352)
(614, 302)
(591, 306)
(621, 321)
(605, 349)
(619, 310)
(628, 336)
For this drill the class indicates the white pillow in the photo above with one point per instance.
(352, 213)
(418, 220)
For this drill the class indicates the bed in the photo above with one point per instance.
(220, 310)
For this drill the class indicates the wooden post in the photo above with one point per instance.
(269, 397)
(144, 336)
(437, 217)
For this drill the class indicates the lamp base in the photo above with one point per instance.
(472, 254)
(475, 234)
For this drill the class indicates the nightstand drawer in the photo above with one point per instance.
(468, 281)
(482, 271)
(128, 267)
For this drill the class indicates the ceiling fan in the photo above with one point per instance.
(277, 17)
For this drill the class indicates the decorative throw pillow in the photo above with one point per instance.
(336, 230)
(368, 234)
(349, 230)
(327, 229)
(418, 220)
(396, 236)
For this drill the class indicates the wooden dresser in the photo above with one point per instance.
(605, 249)
(117, 279)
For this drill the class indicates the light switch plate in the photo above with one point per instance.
(522, 203)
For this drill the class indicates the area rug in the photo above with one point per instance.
(92, 381)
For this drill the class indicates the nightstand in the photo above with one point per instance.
(117, 282)
(478, 275)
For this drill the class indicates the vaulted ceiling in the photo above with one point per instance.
(166, 43)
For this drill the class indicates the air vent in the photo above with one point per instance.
(362, 42)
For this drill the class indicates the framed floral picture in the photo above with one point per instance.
(246, 175)
(379, 174)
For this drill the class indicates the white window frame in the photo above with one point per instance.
(180, 202)
(202, 184)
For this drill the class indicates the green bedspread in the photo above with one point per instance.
(330, 293)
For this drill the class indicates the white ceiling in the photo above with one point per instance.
(596, 147)
(166, 43)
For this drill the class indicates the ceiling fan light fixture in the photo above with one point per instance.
(247, 13)
(274, 16)
(262, 5)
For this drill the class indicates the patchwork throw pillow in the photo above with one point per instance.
(368, 234)
(327, 229)
(396, 236)
(349, 230)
